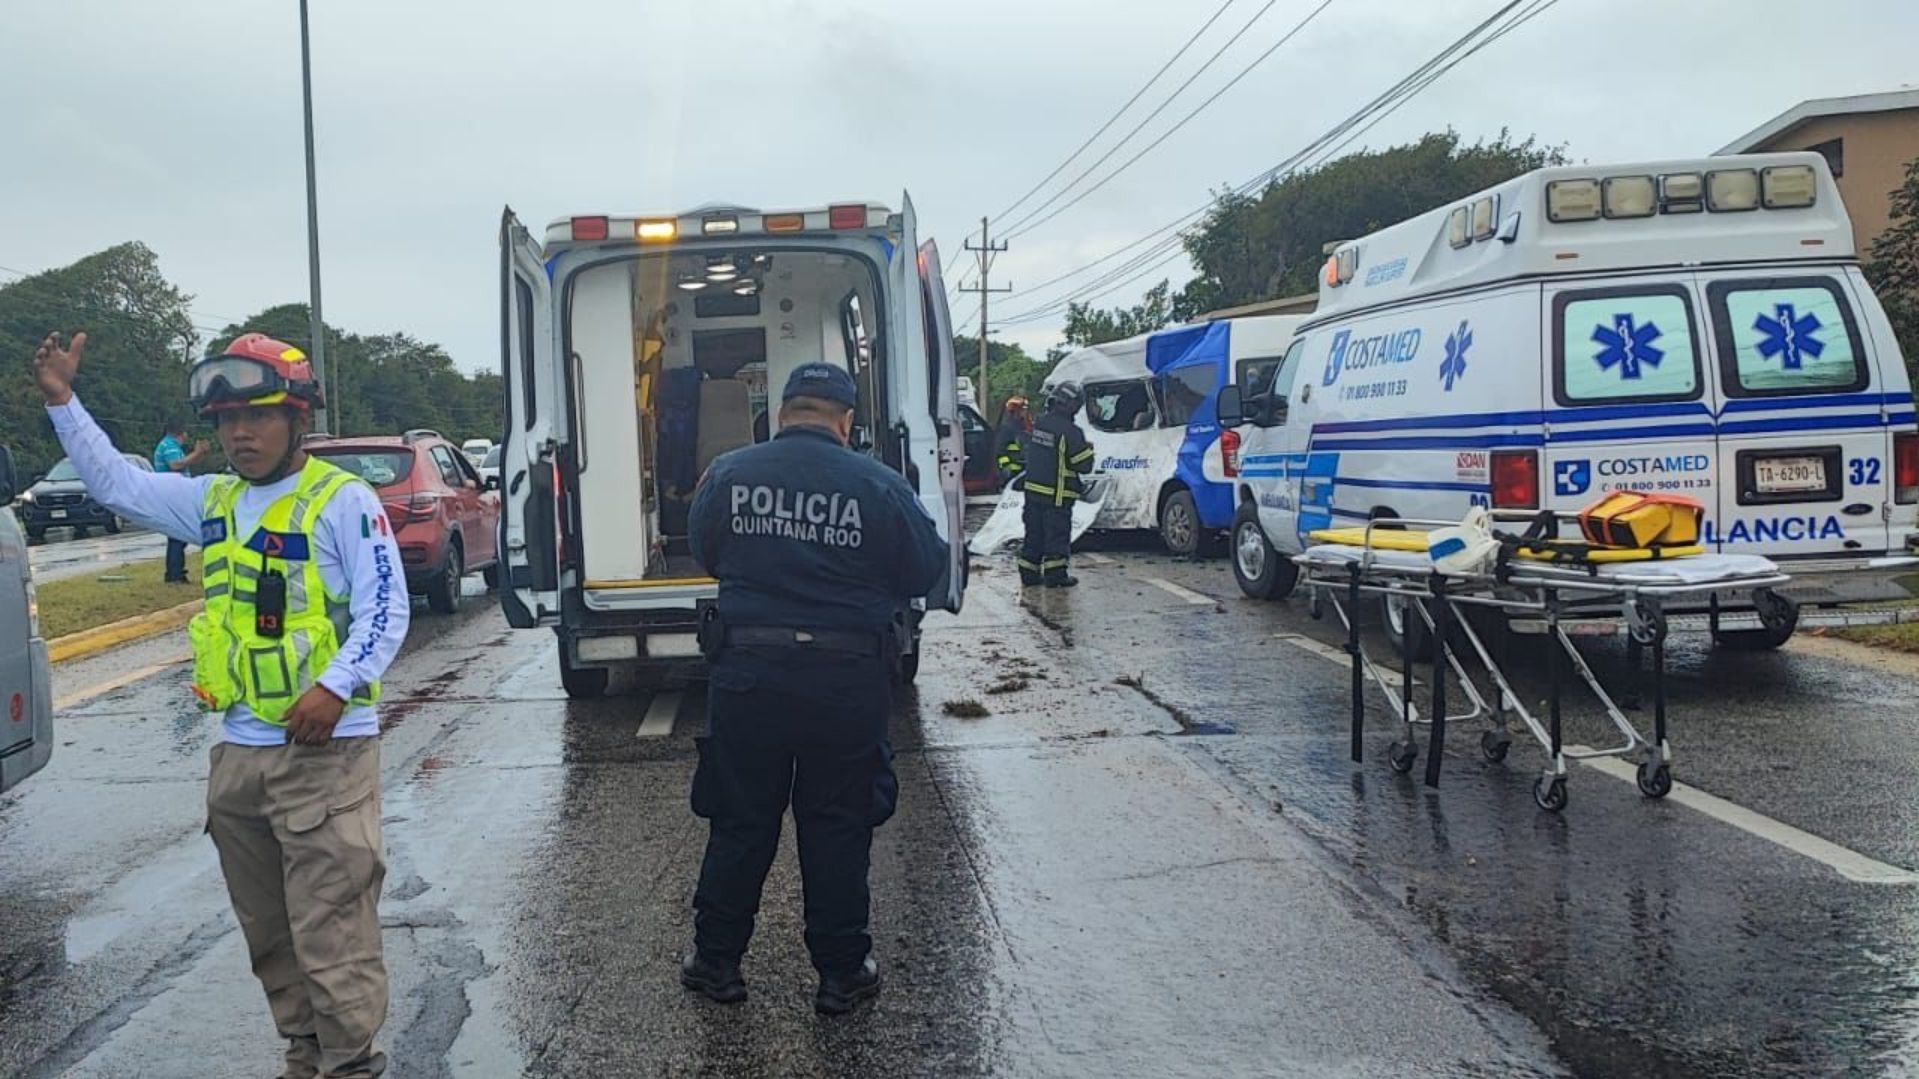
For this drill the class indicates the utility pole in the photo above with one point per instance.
(986, 250)
(316, 325)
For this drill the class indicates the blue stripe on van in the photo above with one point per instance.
(1801, 423)
(1437, 442)
(1684, 430)
(1415, 485)
(1764, 404)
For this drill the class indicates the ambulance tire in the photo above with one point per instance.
(581, 683)
(1262, 572)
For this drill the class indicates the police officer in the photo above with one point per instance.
(305, 608)
(1057, 454)
(1011, 438)
(816, 549)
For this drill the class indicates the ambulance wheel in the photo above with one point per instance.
(1401, 756)
(443, 591)
(1179, 525)
(581, 683)
(1404, 627)
(1778, 616)
(1550, 796)
(1262, 572)
(1654, 779)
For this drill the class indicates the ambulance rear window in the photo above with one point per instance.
(1624, 344)
(1786, 336)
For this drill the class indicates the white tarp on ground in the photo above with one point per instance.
(1007, 524)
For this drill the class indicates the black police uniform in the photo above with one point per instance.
(815, 548)
(1056, 456)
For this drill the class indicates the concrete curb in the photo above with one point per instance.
(93, 641)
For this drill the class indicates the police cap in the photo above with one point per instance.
(824, 381)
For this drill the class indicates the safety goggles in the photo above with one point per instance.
(233, 378)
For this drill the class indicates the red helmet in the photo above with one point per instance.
(254, 370)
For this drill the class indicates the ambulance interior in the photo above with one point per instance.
(678, 358)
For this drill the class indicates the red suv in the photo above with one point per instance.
(444, 516)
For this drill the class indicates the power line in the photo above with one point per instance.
(1150, 117)
(1130, 102)
(1183, 121)
(1319, 149)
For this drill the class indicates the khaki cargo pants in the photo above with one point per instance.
(298, 831)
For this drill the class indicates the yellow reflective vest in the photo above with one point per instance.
(233, 662)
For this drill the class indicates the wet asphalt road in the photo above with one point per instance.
(63, 556)
(1185, 875)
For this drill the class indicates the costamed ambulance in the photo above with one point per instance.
(639, 347)
(1689, 327)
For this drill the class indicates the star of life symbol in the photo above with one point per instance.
(1454, 365)
(1627, 346)
(1789, 338)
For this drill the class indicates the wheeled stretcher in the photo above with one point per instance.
(1379, 563)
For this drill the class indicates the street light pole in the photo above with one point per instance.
(317, 326)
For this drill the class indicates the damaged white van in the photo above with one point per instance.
(638, 347)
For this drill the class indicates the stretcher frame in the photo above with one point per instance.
(1523, 588)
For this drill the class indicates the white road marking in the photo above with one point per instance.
(1186, 594)
(91, 693)
(1093, 559)
(659, 715)
(1849, 864)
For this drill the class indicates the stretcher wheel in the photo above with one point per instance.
(1655, 779)
(1494, 745)
(1551, 796)
(1316, 606)
(1401, 756)
(1646, 624)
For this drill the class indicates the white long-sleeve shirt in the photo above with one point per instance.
(353, 547)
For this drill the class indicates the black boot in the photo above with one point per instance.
(841, 993)
(717, 981)
(1061, 580)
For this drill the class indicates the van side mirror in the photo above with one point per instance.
(8, 480)
(1230, 408)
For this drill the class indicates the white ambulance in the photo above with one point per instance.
(1692, 327)
(26, 678)
(639, 347)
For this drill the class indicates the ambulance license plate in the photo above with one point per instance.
(1787, 475)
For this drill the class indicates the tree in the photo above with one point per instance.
(1011, 370)
(1088, 325)
(140, 341)
(1262, 247)
(1894, 265)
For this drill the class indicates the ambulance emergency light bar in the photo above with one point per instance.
(1776, 187)
(665, 230)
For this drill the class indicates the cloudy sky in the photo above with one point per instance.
(178, 124)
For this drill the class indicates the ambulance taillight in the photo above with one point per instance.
(1905, 467)
(1515, 476)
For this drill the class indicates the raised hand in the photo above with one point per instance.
(54, 367)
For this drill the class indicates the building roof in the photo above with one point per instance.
(1819, 107)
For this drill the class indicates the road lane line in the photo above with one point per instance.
(1184, 593)
(1094, 559)
(91, 693)
(659, 715)
(1849, 864)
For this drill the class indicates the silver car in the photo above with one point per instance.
(26, 680)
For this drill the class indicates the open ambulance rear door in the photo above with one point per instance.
(928, 401)
(535, 427)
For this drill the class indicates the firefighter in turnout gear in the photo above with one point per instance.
(1014, 425)
(1057, 455)
(306, 605)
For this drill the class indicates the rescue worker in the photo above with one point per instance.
(1057, 454)
(1011, 438)
(817, 548)
(305, 608)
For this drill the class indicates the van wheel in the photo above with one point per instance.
(1780, 617)
(581, 683)
(443, 591)
(1262, 572)
(114, 525)
(1404, 628)
(1179, 527)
